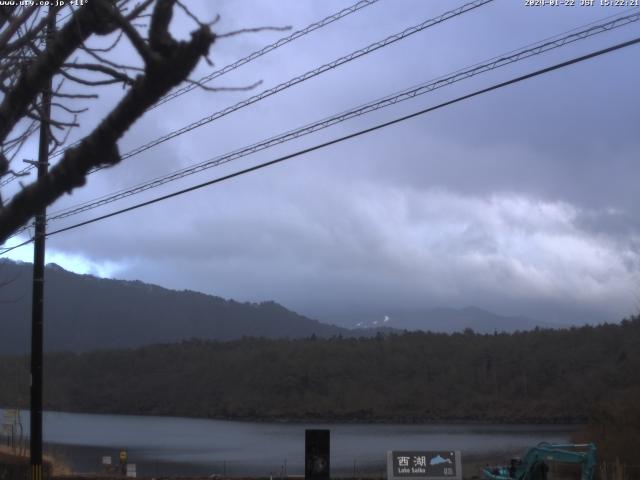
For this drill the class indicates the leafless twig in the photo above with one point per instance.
(233, 33)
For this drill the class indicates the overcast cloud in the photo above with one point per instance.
(522, 201)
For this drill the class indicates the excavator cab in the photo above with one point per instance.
(534, 465)
(505, 471)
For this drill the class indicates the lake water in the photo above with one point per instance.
(169, 445)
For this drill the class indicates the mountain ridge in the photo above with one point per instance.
(449, 320)
(86, 312)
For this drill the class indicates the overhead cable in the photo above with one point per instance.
(232, 66)
(310, 74)
(304, 77)
(344, 138)
(496, 62)
(264, 50)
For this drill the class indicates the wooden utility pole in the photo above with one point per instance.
(37, 333)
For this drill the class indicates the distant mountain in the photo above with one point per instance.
(448, 320)
(84, 313)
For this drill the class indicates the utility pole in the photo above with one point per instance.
(37, 334)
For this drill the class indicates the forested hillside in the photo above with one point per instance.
(84, 312)
(538, 376)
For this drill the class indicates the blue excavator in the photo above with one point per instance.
(533, 466)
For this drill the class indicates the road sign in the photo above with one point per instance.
(131, 470)
(424, 465)
(123, 456)
(106, 460)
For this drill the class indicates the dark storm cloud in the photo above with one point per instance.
(613, 223)
(520, 201)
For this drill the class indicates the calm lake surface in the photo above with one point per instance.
(167, 445)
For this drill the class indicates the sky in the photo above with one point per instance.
(520, 201)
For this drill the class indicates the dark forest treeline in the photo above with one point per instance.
(587, 374)
(537, 376)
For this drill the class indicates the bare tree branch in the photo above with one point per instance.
(207, 88)
(171, 63)
(96, 83)
(159, 37)
(67, 109)
(134, 37)
(29, 36)
(100, 58)
(96, 67)
(14, 25)
(137, 11)
(252, 30)
(76, 95)
(105, 49)
(28, 63)
(32, 81)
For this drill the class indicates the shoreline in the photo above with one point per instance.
(61, 470)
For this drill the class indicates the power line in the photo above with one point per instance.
(232, 66)
(309, 74)
(512, 56)
(304, 77)
(347, 137)
(264, 50)
(495, 62)
(254, 55)
(283, 86)
(7, 250)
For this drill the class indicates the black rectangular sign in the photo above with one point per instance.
(317, 454)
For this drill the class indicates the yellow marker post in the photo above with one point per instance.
(36, 472)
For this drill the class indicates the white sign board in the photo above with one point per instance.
(424, 465)
(106, 460)
(131, 470)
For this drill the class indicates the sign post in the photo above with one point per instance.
(123, 457)
(424, 465)
(10, 425)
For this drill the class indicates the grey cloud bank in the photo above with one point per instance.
(521, 201)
